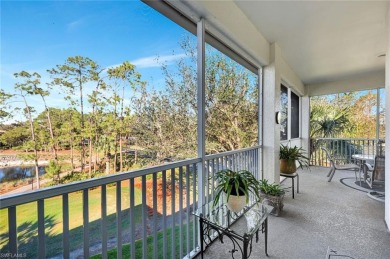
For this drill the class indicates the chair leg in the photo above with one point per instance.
(360, 177)
(330, 172)
(331, 176)
(331, 169)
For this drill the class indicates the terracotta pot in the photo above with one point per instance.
(287, 166)
(235, 203)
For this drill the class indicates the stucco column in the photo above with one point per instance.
(271, 104)
(387, 173)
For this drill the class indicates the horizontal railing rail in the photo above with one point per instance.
(149, 210)
(17, 199)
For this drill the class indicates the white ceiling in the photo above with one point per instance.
(323, 40)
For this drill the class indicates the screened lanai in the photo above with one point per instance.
(292, 52)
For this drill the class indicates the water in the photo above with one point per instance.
(17, 173)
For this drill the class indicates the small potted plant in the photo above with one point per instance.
(272, 194)
(289, 156)
(236, 187)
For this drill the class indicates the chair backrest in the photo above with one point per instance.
(328, 156)
(379, 168)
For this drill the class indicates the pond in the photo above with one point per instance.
(18, 172)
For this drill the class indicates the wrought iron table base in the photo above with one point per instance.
(206, 227)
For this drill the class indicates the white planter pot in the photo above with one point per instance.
(235, 203)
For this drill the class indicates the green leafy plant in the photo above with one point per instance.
(270, 189)
(53, 170)
(294, 154)
(236, 183)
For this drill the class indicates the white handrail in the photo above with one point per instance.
(21, 198)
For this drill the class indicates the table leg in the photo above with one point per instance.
(246, 243)
(266, 236)
(201, 237)
(293, 186)
(298, 183)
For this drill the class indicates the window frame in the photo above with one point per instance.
(289, 118)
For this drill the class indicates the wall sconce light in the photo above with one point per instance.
(278, 117)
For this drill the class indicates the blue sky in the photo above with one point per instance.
(37, 35)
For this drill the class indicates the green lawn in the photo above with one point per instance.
(27, 221)
(126, 251)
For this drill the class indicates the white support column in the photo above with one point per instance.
(387, 118)
(305, 123)
(201, 110)
(271, 130)
(260, 122)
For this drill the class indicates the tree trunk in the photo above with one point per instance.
(71, 154)
(120, 154)
(82, 122)
(116, 155)
(50, 130)
(34, 141)
(90, 158)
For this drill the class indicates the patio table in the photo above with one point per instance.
(216, 222)
(363, 159)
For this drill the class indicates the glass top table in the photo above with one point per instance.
(363, 157)
(219, 221)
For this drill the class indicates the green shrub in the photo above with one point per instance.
(270, 189)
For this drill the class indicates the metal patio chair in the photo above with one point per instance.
(334, 166)
(376, 173)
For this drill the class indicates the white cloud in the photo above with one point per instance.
(152, 61)
(74, 25)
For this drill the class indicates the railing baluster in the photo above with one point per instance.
(194, 206)
(155, 192)
(86, 223)
(164, 207)
(132, 223)
(207, 176)
(213, 178)
(104, 219)
(65, 225)
(246, 160)
(119, 218)
(233, 164)
(181, 210)
(173, 247)
(12, 230)
(188, 207)
(41, 228)
(144, 219)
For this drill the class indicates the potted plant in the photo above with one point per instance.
(235, 187)
(289, 156)
(272, 194)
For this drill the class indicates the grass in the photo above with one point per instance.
(126, 250)
(28, 227)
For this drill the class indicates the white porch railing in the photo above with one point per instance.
(343, 149)
(160, 225)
